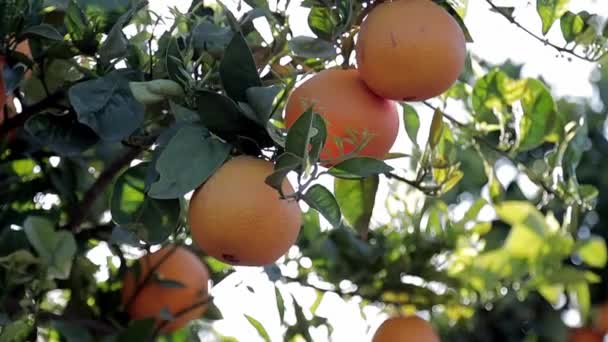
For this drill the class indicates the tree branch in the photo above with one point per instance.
(20, 119)
(545, 41)
(81, 211)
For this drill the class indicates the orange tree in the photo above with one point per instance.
(191, 143)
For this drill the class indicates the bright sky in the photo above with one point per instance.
(495, 40)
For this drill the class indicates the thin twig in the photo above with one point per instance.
(545, 41)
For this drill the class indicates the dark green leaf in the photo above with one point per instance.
(121, 235)
(411, 122)
(56, 248)
(284, 164)
(210, 37)
(138, 330)
(309, 47)
(213, 313)
(359, 167)
(107, 106)
(261, 100)
(15, 331)
(193, 150)
(280, 303)
(238, 70)
(572, 25)
(221, 115)
(259, 328)
(116, 43)
(300, 134)
(322, 200)
(357, 199)
(43, 30)
(63, 135)
(72, 332)
(153, 220)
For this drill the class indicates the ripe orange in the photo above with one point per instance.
(584, 334)
(405, 329)
(352, 113)
(239, 219)
(410, 50)
(185, 302)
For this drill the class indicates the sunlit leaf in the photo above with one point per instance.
(593, 252)
(549, 11)
(322, 200)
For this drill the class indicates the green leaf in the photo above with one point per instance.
(549, 11)
(107, 106)
(493, 93)
(171, 58)
(61, 134)
(258, 327)
(307, 136)
(153, 220)
(284, 164)
(191, 149)
(521, 212)
(411, 122)
(116, 43)
(15, 331)
(551, 292)
(359, 167)
(523, 242)
(43, 30)
(572, 25)
(323, 21)
(223, 116)
(436, 128)
(356, 199)
(593, 252)
(582, 296)
(213, 313)
(309, 47)
(280, 303)
(322, 200)
(56, 248)
(72, 332)
(138, 330)
(261, 100)
(539, 109)
(238, 70)
(210, 37)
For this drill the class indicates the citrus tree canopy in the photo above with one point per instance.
(266, 170)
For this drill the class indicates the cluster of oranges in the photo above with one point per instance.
(406, 50)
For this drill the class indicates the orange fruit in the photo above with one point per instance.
(353, 114)
(405, 329)
(584, 334)
(237, 218)
(184, 294)
(410, 50)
